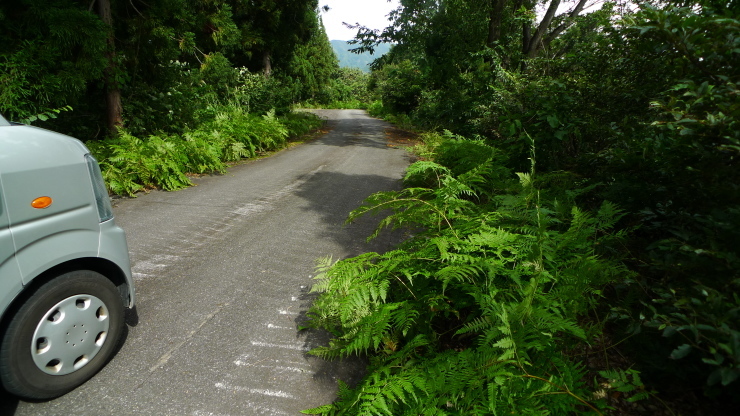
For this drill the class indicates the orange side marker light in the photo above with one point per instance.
(41, 202)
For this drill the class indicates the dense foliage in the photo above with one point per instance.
(633, 111)
(475, 314)
(168, 63)
(159, 89)
(624, 238)
(130, 164)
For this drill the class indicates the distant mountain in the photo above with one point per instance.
(348, 59)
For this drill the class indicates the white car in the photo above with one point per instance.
(65, 276)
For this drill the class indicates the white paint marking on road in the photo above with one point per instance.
(250, 360)
(165, 258)
(271, 326)
(166, 356)
(257, 410)
(248, 209)
(204, 413)
(286, 312)
(282, 369)
(140, 276)
(146, 268)
(277, 368)
(284, 346)
(240, 363)
(264, 392)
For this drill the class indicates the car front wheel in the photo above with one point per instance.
(61, 336)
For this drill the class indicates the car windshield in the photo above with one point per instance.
(3, 121)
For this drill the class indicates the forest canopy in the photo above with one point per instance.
(156, 65)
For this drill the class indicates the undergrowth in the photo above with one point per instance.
(131, 164)
(475, 314)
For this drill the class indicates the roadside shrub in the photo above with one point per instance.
(477, 312)
(300, 123)
(399, 86)
(131, 164)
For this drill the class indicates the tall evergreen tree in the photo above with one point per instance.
(314, 63)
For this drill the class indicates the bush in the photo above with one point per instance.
(477, 312)
(399, 86)
(131, 164)
(301, 123)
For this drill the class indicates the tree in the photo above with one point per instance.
(113, 90)
(314, 64)
(543, 36)
(483, 25)
(49, 55)
(142, 62)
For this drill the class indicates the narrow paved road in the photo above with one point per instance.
(223, 271)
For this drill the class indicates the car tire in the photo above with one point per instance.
(61, 336)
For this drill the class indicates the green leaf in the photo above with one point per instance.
(681, 352)
(669, 331)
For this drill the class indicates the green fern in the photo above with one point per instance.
(471, 314)
(131, 164)
(626, 381)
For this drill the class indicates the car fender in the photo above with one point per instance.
(54, 249)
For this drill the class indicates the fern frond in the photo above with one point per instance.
(325, 410)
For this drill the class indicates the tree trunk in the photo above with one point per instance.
(526, 36)
(112, 89)
(538, 41)
(266, 64)
(494, 21)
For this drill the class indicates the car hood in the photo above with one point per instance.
(25, 147)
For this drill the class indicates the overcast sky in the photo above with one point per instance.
(370, 13)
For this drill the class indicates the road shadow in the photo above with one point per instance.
(333, 207)
(361, 131)
(349, 191)
(349, 370)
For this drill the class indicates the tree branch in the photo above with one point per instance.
(534, 43)
(566, 23)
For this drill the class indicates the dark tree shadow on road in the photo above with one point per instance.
(350, 369)
(346, 192)
(363, 132)
(334, 195)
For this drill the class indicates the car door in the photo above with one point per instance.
(10, 277)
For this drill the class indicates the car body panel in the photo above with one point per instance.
(11, 281)
(112, 239)
(38, 163)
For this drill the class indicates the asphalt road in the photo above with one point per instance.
(223, 271)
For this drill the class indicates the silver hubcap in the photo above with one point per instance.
(70, 334)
